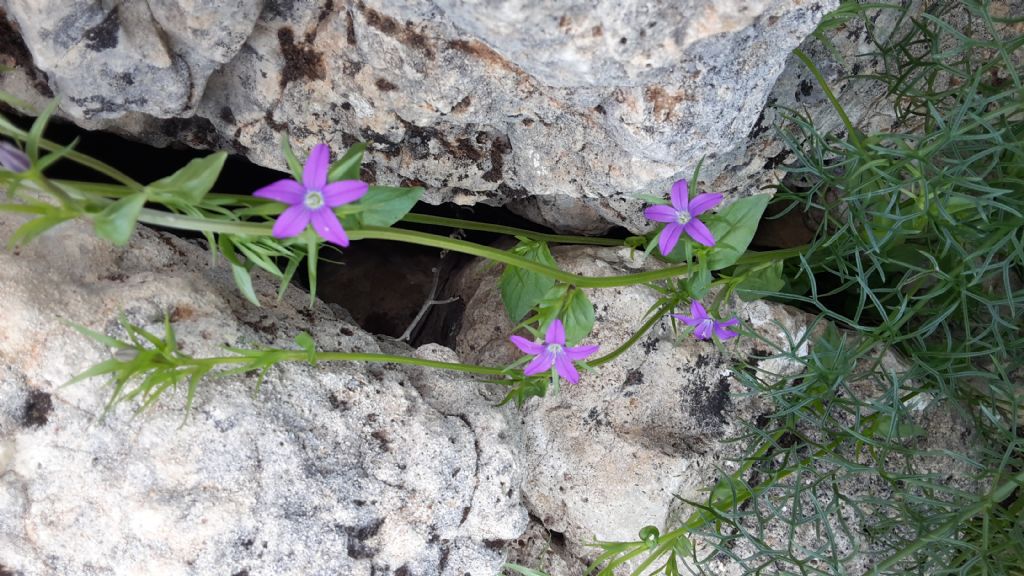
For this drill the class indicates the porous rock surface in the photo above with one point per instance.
(538, 105)
(328, 469)
(616, 452)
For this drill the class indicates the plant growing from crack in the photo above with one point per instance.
(326, 204)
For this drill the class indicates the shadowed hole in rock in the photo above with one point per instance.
(37, 409)
(383, 285)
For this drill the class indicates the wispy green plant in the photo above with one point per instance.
(919, 259)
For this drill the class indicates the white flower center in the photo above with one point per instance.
(555, 348)
(314, 199)
(682, 217)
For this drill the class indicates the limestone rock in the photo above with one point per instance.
(611, 455)
(481, 101)
(335, 468)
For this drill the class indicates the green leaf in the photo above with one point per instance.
(524, 570)
(764, 278)
(33, 228)
(522, 289)
(244, 282)
(347, 167)
(526, 389)
(312, 254)
(682, 546)
(649, 536)
(882, 427)
(578, 317)
(289, 157)
(117, 221)
(549, 307)
(733, 228)
(699, 281)
(305, 341)
(192, 182)
(35, 134)
(385, 205)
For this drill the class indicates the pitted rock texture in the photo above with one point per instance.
(533, 104)
(328, 469)
(617, 451)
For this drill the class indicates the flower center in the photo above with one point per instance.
(314, 199)
(682, 217)
(555, 348)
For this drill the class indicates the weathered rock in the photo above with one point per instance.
(615, 453)
(339, 469)
(606, 457)
(481, 101)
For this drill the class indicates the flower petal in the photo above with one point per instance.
(730, 322)
(680, 194)
(698, 311)
(291, 222)
(580, 352)
(540, 364)
(565, 369)
(287, 191)
(704, 202)
(724, 334)
(527, 346)
(699, 232)
(669, 238)
(703, 331)
(660, 213)
(556, 333)
(327, 226)
(687, 320)
(314, 174)
(12, 158)
(344, 191)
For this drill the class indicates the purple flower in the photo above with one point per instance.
(553, 351)
(12, 158)
(681, 217)
(313, 199)
(704, 324)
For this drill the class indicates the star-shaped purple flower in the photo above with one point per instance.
(681, 217)
(704, 324)
(12, 158)
(553, 351)
(313, 200)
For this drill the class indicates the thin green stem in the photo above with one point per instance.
(413, 218)
(83, 159)
(303, 356)
(850, 129)
(655, 317)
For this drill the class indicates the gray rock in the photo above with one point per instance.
(329, 469)
(615, 453)
(109, 59)
(481, 101)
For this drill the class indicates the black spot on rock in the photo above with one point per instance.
(103, 36)
(384, 85)
(242, 572)
(806, 87)
(227, 115)
(37, 409)
(357, 537)
(299, 61)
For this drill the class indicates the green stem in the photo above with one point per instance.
(413, 218)
(942, 532)
(655, 317)
(302, 356)
(180, 222)
(854, 136)
(84, 160)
